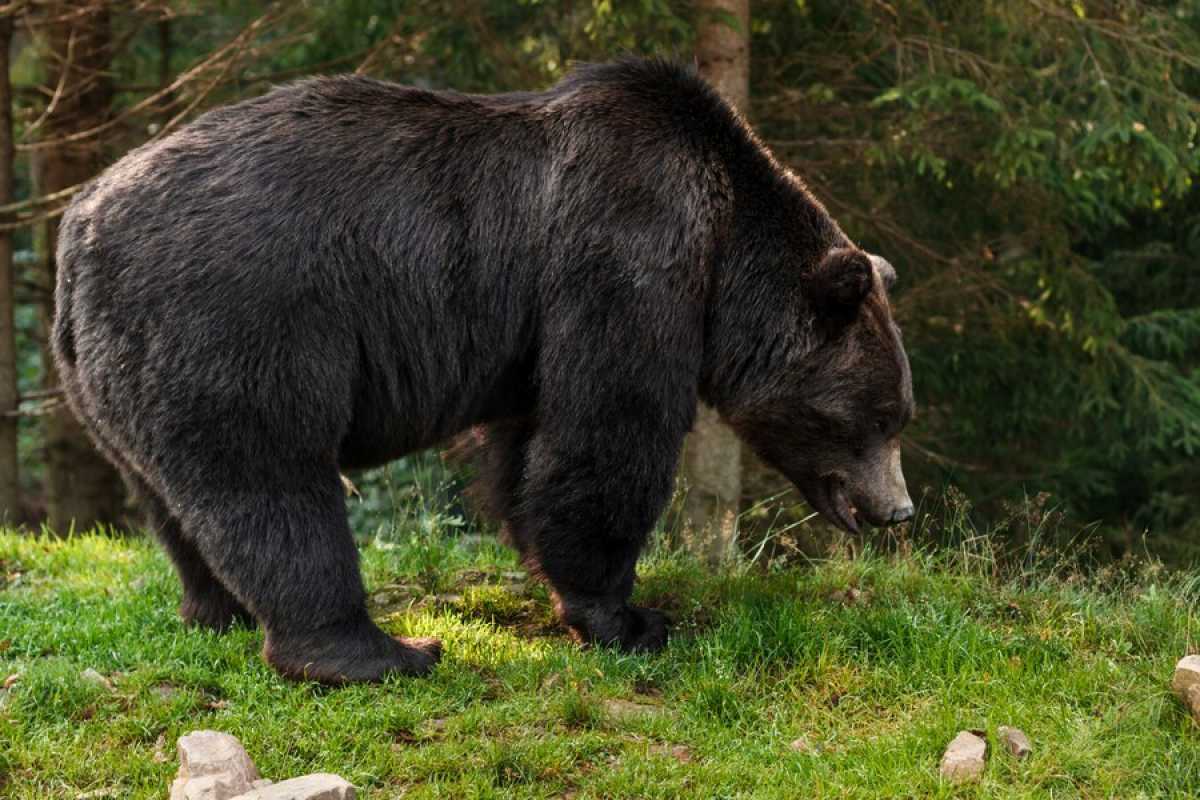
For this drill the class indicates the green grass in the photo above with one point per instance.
(877, 681)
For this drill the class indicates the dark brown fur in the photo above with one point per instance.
(343, 271)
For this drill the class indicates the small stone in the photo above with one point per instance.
(852, 597)
(1192, 699)
(212, 766)
(93, 677)
(802, 745)
(965, 757)
(164, 691)
(11, 680)
(1015, 740)
(1186, 684)
(680, 752)
(627, 709)
(207, 787)
(382, 599)
(1187, 673)
(514, 576)
(319, 786)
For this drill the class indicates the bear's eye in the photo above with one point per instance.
(882, 425)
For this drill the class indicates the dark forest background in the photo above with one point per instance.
(1029, 166)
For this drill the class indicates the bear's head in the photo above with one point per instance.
(828, 411)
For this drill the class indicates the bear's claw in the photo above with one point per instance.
(355, 654)
(647, 632)
(630, 628)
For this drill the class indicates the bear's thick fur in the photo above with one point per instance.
(343, 271)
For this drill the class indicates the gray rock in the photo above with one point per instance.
(93, 677)
(965, 757)
(803, 745)
(213, 753)
(319, 786)
(680, 752)
(212, 766)
(1015, 741)
(627, 709)
(1186, 684)
(165, 692)
(207, 787)
(1191, 698)
(1187, 673)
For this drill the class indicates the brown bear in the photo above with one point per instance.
(344, 270)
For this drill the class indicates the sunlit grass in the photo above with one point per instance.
(875, 660)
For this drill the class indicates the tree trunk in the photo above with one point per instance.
(723, 48)
(712, 456)
(82, 489)
(9, 488)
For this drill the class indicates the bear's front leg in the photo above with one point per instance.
(617, 379)
(612, 622)
(580, 519)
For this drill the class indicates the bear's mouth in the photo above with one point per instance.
(844, 512)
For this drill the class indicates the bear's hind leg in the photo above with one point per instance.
(284, 547)
(206, 602)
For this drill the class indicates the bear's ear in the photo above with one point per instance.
(842, 280)
(887, 273)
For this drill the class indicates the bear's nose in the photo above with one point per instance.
(902, 514)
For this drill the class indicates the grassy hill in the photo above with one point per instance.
(873, 662)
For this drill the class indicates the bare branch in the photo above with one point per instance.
(40, 410)
(236, 47)
(52, 106)
(25, 222)
(34, 202)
